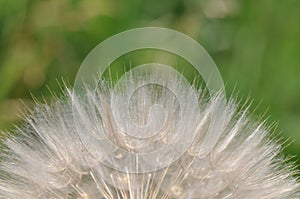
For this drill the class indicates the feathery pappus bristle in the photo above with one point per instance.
(166, 146)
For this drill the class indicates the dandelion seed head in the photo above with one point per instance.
(150, 135)
(61, 151)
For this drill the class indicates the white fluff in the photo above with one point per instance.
(60, 151)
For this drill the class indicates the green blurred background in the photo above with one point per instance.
(255, 44)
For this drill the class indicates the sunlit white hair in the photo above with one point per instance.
(58, 152)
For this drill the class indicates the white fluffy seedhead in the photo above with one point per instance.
(143, 140)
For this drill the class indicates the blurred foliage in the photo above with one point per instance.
(256, 45)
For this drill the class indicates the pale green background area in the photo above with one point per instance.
(255, 44)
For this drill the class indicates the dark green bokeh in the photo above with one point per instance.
(256, 45)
